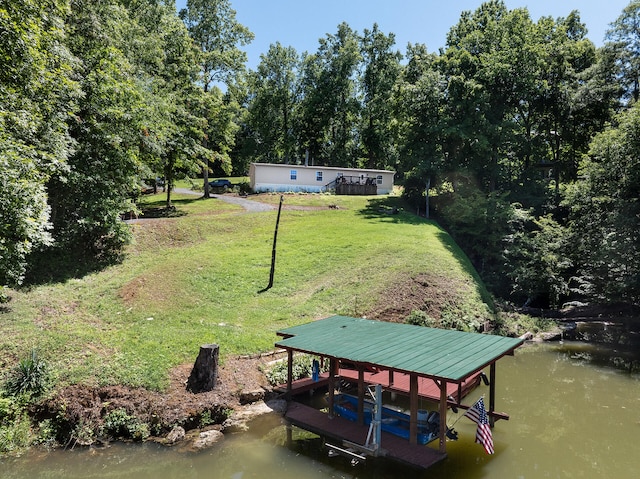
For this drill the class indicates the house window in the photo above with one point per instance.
(379, 179)
(294, 175)
(318, 175)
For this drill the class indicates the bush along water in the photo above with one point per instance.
(28, 381)
(30, 377)
(302, 368)
(119, 424)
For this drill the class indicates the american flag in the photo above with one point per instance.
(478, 414)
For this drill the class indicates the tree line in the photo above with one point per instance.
(94, 98)
(518, 136)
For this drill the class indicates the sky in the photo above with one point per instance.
(300, 23)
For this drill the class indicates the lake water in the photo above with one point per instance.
(574, 407)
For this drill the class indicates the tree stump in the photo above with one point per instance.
(204, 374)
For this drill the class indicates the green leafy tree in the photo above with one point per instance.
(274, 104)
(623, 38)
(222, 112)
(604, 220)
(492, 63)
(37, 96)
(213, 26)
(512, 86)
(536, 251)
(184, 105)
(381, 72)
(476, 92)
(87, 200)
(218, 35)
(420, 116)
(330, 110)
(244, 145)
(479, 223)
(570, 54)
(523, 100)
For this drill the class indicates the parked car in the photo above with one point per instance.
(220, 184)
(145, 189)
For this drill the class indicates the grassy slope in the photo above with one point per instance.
(196, 278)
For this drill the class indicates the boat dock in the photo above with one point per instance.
(339, 430)
(442, 366)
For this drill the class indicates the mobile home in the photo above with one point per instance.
(266, 177)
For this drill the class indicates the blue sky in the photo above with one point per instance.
(300, 23)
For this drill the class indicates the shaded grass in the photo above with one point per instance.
(195, 279)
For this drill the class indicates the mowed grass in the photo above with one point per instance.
(196, 278)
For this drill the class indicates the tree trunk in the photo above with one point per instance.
(205, 370)
(426, 197)
(205, 172)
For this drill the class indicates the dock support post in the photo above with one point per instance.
(413, 406)
(333, 366)
(443, 417)
(492, 393)
(289, 372)
(360, 395)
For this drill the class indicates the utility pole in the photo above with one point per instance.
(273, 251)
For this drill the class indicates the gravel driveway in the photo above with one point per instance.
(248, 205)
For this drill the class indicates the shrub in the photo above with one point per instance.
(418, 317)
(302, 368)
(4, 295)
(30, 376)
(46, 433)
(454, 318)
(244, 188)
(205, 418)
(82, 434)
(15, 435)
(119, 423)
(15, 428)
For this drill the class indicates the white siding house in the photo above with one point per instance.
(265, 177)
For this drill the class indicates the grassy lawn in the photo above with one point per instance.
(195, 278)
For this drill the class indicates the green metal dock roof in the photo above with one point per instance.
(436, 353)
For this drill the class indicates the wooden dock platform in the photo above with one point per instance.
(339, 429)
(303, 385)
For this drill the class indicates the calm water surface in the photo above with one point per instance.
(575, 413)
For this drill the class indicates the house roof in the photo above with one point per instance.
(435, 353)
(318, 167)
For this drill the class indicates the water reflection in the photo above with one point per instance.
(606, 344)
(572, 415)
